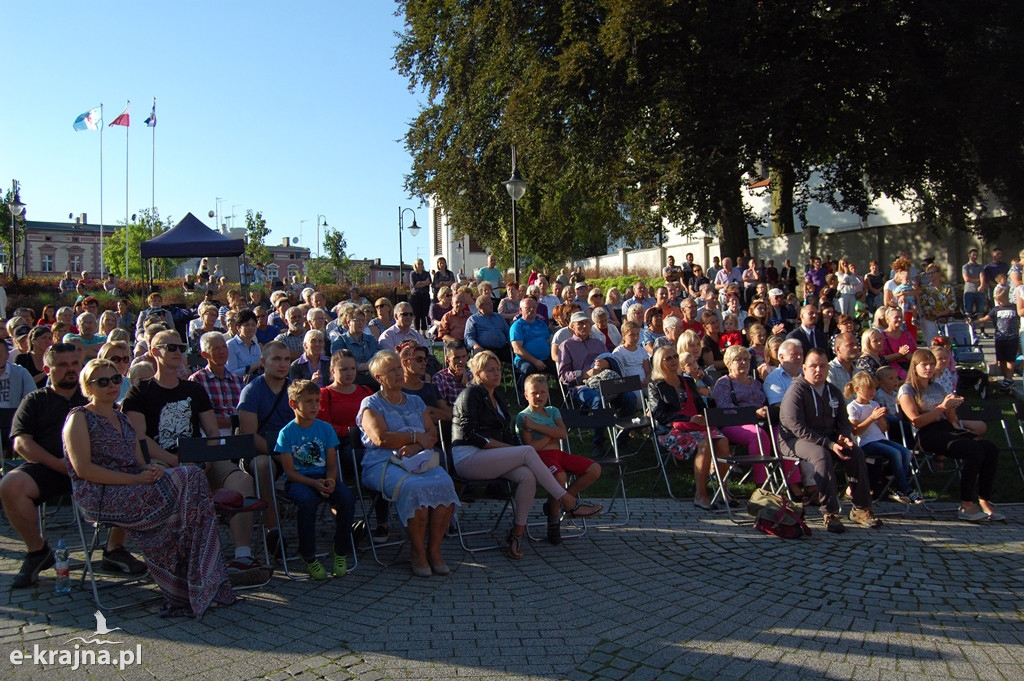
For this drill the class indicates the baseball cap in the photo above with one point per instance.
(579, 317)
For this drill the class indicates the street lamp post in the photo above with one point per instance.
(516, 187)
(414, 229)
(458, 249)
(318, 224)
(17, 208)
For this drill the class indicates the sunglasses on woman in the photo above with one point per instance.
(105, 381)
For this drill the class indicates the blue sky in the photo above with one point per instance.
(292, 109)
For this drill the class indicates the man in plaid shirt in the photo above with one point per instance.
(451, 380)
(223, 387)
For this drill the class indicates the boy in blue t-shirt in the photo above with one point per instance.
(541, 427)
(307, 450)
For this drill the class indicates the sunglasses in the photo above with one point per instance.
(119, 359)
(106, 381)
(173, 347)
(405, 314)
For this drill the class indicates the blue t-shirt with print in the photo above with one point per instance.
(307, 446)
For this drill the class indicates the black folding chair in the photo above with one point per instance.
(445, 438)
(368, 498)
(740, 416)
(200, 450)
(1014, 442)
(596, 420)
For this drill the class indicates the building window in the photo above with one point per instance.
(293, 271)
(291, 257)
(272, 271)
(47, 262)
(474, 246)
(74, 239)
(75, 262)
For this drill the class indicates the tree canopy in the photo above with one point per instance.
(625, 112)
(256, 231)
(148, 224)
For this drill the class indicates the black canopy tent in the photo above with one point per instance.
(190, 238)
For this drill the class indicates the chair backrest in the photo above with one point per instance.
(219, 448)
(614, 387)
(731, 416)
(597, 418)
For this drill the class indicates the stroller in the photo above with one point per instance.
(971, 368)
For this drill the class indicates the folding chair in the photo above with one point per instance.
(366, 505)
(445, 438)
(612, 389)
(739, 416)
(1016, 449)
(660, 456)
(598, 419)
(89, 548)
(200, 450)
(276, 500)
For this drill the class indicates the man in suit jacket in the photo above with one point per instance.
(807, 333)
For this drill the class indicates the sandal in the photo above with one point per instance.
(515, 545)
(582, 510)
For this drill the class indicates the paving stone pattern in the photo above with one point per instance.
(675, 594)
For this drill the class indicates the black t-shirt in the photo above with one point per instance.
(25, 360)
(41, 415)
(876, 280)
(170, 413)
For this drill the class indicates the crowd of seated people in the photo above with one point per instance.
(741, 335)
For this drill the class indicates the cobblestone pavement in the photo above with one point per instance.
(675, 594)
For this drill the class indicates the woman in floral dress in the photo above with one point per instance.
(168, 513)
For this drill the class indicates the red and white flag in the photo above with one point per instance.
(123, 119)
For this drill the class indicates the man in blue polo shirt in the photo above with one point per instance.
(487, 330)
(531, 341)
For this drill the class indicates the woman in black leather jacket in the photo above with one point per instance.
(484, 447)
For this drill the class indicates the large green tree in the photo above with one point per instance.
(256, 231)
(626, 112)
(147, 224)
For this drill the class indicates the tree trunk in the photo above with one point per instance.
(732, 226)
(782, 179)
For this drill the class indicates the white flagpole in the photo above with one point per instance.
(153, 189)
(102, 267)
(153, 201)
(126, 198)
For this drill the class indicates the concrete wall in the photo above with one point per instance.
(649, 260)
(882, 243)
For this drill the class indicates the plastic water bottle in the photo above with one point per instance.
(63, 583)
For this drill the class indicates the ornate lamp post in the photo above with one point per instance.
(17, 208)
(414, 229)
(516, 187)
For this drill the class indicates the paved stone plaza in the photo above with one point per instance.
(675, 594)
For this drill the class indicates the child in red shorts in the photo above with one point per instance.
(541, 427)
